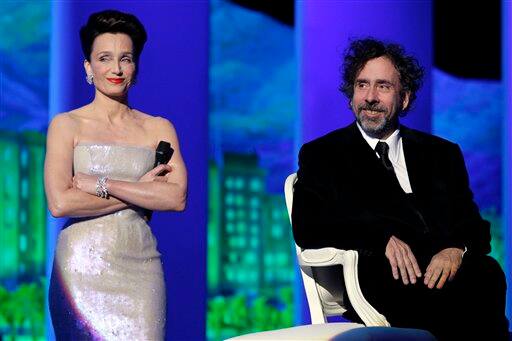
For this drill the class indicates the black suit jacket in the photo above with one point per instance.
(344, 197)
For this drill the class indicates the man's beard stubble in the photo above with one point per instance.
(376, 126)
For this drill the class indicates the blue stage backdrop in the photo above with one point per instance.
(506, 76)
(469, 112)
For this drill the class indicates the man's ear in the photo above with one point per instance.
(405, 100)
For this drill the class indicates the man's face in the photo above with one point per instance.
(376, 101)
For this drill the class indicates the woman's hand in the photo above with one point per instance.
(153, 175)
(86, 183)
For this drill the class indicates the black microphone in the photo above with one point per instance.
(163, 154)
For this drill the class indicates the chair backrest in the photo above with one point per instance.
(324, 286)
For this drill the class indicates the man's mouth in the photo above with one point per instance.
(372, 112)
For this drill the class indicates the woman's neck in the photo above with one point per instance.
(112, 108)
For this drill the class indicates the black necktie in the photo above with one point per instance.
(382, 149)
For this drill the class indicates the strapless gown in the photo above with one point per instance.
(107, 280)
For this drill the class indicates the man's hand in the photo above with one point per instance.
(444, 265)
(402, 260)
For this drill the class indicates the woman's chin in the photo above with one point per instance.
(116, 94)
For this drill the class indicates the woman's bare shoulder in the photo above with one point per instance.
(153, 122)
(67, 124)
(64, 121)
(70, 118)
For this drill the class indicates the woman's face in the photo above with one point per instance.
(112, 64)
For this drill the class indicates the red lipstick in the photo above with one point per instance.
(115, 80)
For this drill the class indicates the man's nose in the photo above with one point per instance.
(372, 96)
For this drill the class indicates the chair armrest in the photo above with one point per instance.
(348, 259)
(321, 257)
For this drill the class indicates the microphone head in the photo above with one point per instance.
(163, 146)
(163, 153)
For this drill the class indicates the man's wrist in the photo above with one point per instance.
(464, 251)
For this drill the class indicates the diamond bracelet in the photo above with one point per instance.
(101, 187)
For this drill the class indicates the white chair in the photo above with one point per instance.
(326, 274)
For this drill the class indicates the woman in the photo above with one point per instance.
(107, 280)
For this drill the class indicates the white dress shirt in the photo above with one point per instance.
(396, 156)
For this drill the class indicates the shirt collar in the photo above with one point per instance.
(393, 142)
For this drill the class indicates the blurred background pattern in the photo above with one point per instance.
(253, 107)
(24, 58)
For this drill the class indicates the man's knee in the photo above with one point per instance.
(485, 268)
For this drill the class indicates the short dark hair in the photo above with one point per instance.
(112, 21)
(361, 51)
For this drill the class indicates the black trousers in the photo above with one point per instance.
(470, 307)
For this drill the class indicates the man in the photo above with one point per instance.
(402, 199)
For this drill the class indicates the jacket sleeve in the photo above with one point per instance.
(318, 218)
(468, 228)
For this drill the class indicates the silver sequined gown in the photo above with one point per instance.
(107, 279)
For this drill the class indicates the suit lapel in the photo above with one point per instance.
(414, 154)
(368, 164)
(383, 186)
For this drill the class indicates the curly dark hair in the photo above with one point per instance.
(112, 21)
(361, 51)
